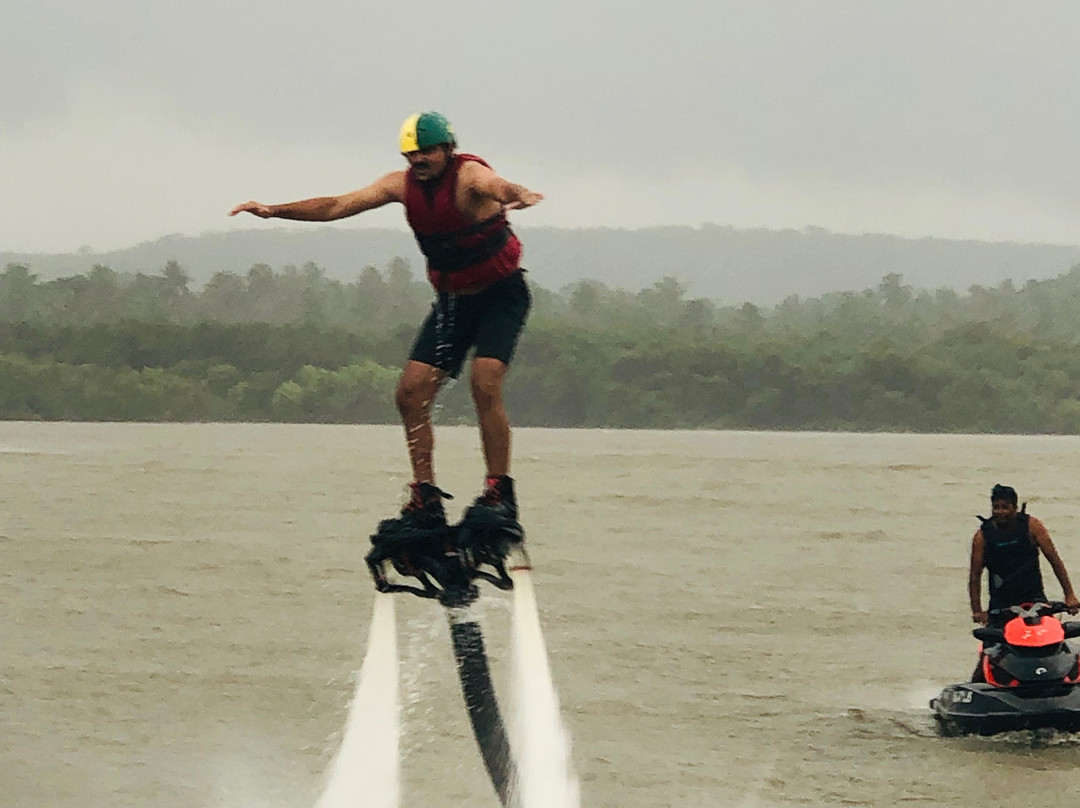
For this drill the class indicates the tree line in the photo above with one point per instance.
(296, 346)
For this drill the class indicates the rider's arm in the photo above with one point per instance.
(1041, 536)
(978, 546)
(484, 182)
(384, 190)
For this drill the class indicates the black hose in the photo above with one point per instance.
(483, 706)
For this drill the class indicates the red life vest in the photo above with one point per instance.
(461, 254)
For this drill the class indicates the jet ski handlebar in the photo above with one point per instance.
(1038, 609)
(1032, 611)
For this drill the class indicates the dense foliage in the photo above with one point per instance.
(298, 346)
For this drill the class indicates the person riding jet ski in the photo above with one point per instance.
(1007, 545)
(1028, 673)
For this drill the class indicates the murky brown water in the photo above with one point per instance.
(734, 619)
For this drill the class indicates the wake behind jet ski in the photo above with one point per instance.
(1026, 679)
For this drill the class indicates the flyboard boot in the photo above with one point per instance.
(489, 533)
(418, 544)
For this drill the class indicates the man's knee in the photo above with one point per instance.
(486, 382)
(406, 396)
(416, 388)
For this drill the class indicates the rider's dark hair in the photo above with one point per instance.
(1005, 492)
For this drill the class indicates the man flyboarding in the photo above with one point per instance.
(456, 206)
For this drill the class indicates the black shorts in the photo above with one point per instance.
(490, 320)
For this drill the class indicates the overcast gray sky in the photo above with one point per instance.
(123, 121)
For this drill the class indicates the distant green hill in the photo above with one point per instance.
(727, 265)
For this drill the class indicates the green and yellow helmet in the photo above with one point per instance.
(425, 129)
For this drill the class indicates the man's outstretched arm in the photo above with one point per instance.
(390, 188)
(485, 182)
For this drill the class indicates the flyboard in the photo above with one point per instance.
(446, 565)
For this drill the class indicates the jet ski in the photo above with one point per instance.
(1027, 677)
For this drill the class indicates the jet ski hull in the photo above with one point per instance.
(977, 708)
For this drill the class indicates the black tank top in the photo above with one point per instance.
(1012, 562)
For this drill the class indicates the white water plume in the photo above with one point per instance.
(545, 771)
(365, 769)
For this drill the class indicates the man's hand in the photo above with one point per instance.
(1072, 603)
(981, 617)
(526, 199)
(256, 208)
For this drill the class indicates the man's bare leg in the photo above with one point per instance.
(415, 394)
(487, 382)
